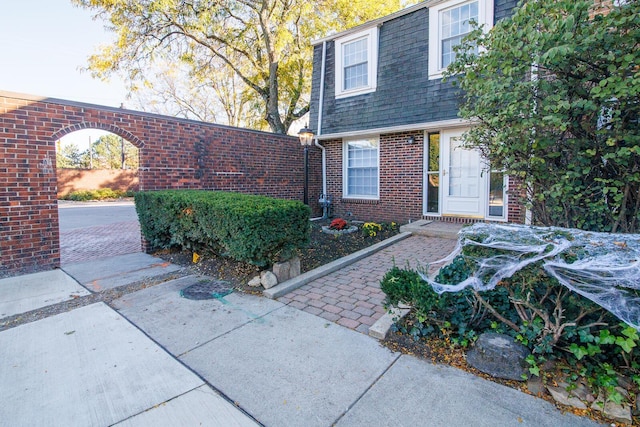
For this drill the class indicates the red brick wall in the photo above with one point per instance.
(174, 153)
(401, 183)
(70, 180)
(516, 211)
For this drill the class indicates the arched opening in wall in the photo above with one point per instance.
(97, 174)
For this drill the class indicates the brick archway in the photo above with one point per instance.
(174, 153)
(100, 126)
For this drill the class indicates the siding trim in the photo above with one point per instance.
(374, 23)
(428, 126)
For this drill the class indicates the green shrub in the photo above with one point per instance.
(256, 229)
(540, 313)
(459, 315)
(100, 194)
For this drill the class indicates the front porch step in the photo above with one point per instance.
(423, 227)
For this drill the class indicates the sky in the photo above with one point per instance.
(43, 45)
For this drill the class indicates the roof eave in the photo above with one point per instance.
(376, 22)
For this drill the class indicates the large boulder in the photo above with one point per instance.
(500, 356)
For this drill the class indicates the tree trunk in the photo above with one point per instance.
(273, 113)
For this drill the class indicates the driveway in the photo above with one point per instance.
(96, 230)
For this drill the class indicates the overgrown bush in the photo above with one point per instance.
(571, 134)
(100, 194)
(255, 229)
(460, 316)
(553, 322)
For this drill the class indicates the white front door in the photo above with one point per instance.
(463, 180)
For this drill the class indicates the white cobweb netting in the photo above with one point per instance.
(603, 267)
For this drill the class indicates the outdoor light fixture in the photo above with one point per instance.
(411, 140)
(306, 136)
(306, 139)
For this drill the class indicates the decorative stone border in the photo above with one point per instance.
(351, 229)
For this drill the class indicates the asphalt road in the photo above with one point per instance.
(74, 215)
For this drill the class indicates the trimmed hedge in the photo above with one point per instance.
(255, 229)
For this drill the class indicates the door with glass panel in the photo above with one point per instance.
(464, 183)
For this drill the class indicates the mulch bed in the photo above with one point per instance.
(323, 248)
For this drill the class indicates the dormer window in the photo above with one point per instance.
(449, 23)
(356, 63)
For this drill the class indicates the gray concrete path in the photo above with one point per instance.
(155, 358)
(90, 367)
(32, 291)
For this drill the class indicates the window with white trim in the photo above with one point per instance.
(449, 23)
(356, 63)
(361, 168)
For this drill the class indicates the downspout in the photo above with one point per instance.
(319, 127)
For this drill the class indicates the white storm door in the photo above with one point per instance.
(463, 184)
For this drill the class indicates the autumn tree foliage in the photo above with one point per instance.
(264, 44)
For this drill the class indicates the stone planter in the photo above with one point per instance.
(349, 230)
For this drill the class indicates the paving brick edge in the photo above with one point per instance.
(297, 282)
(379, 329)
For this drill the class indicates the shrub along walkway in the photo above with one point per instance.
(352, 296)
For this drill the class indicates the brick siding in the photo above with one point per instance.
(401, 183)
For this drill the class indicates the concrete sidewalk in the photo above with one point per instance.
(155, 358)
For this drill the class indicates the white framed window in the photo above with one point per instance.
(449, 23)
(356, 63)
(361, 168)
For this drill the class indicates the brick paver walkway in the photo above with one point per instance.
(102, 241)
(351, 296)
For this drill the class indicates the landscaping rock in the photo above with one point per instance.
(613, 410)
(625, 382)
(287, 270)
(255, 282)
(581, 391)
(561, 395)
(295, 267)
(535, 386)
(499, 356)
(268, 279)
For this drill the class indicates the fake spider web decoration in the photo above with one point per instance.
(603, 267)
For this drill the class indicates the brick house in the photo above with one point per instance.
(389, 126)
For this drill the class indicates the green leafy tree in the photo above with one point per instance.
(106, 153)
(69, 156)
(265, 44)
(554, 94)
